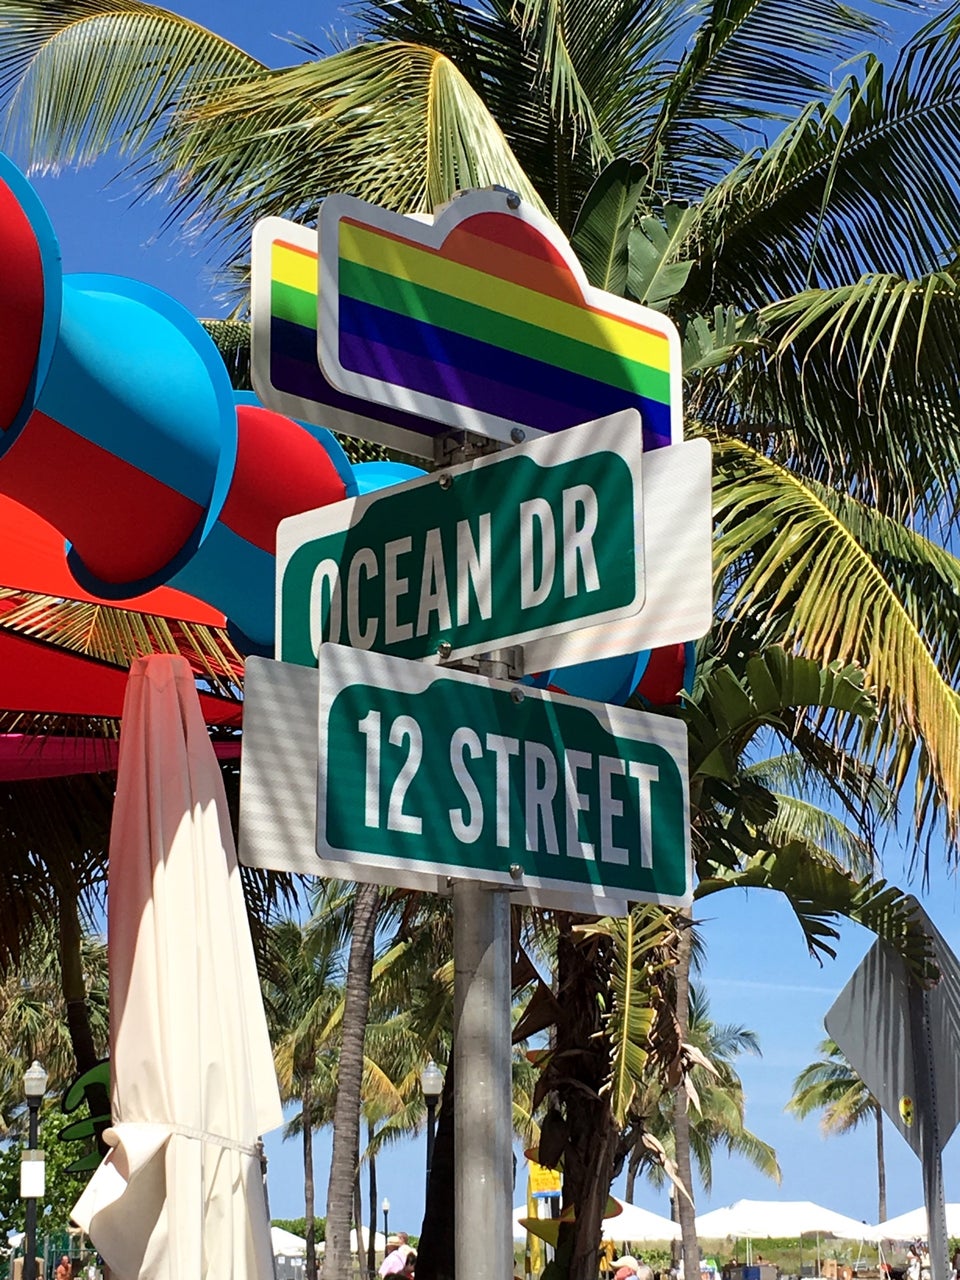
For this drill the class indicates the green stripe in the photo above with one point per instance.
(366, 284)
(297, 305)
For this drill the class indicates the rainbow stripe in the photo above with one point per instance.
(493, 322)
(294, 369)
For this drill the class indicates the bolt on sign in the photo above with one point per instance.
(397, 329)
(418, 774)
(543, 537)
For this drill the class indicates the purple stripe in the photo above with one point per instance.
(469, 390)
(297, 378)
(300, 375)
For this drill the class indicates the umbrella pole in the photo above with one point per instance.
(483, 1114)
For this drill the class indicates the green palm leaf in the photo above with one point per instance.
(89, 75)
(810, 210)
(799, 577)
(601, 233)
(640, 956)
(396, 124)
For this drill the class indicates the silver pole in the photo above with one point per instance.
(483, 1128)
(931, 1162)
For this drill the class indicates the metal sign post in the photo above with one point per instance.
(928, 1130)
(483, 1124)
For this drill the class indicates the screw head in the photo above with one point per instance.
(516, 871)
(444, 649)
(446, 480)
(518, 435)
(517, 695)
(513, 200)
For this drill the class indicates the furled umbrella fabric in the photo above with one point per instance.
(180, 1194)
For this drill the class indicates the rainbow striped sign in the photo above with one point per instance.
(479, 320)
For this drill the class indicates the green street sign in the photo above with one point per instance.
(414, 775)
(540, 539)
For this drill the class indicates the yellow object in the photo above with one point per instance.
(539, 1230)
(906, 1110)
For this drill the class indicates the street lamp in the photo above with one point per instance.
(386, 1225)
(431, 1082)
(31, 1168)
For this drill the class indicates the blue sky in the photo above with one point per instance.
(757, 971)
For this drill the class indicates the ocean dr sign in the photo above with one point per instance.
(417, 774)
(542, 538)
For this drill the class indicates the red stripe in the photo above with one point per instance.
(21, 305)
(124, 524)
(281, 471)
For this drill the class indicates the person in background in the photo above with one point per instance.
(409, 1266)
(956, 1263)
(64, 1269)
(393, 1263)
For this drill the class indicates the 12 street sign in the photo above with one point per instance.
(542, 538)
(419, 774)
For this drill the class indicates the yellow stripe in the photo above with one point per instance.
(298, 270)
(421, 267)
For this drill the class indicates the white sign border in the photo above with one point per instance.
(431, 234)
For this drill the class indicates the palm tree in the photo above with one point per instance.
(302, 991)
(832, 1086)
(812, 276)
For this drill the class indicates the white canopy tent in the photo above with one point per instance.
(913, 1225)
(755, 1219)
(632, 1225)
(791, 1219)
(286, 1244)
(379, 1240)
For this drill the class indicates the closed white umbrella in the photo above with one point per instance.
(193, 1082)
(913, 1225)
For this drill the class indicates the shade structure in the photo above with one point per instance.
(755, 1219)
(193, 1084)
(632, 1225)
(913, 1225)
(286, 1244)
(379, 1240)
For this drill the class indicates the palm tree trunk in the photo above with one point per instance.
(372, 1176)
(686, 1209)
(358, 1220)
(74, 989)
(346, 1117)
(309, 1195)
(881, 1168)
(591, 1133)
(633, 1168)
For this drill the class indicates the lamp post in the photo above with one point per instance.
(431, 1082)
(386, 1225)
(31, 1184)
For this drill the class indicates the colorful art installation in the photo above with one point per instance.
(119, 428)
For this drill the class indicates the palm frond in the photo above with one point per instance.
(85, 76)
(396, 124)
(793, 551)
(865, 181)
(641, 944)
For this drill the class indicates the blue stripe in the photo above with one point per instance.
(588, 397)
